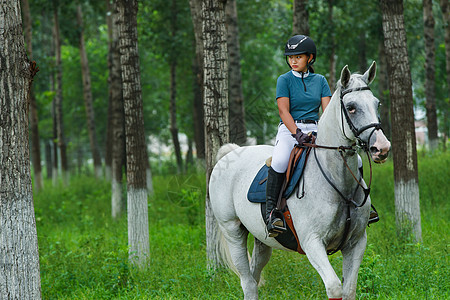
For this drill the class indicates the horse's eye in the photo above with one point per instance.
(351, 109)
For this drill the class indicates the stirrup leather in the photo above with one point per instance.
(275, 225)
(373, 218)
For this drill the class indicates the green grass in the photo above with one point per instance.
(83, 252)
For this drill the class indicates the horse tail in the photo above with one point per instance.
(223, 252)
(224, 150)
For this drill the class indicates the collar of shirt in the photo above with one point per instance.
(297, 74)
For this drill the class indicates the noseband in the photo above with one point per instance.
(356, 131)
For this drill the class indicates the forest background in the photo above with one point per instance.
(353, 36)
(79, 259)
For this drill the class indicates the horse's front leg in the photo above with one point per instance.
(352, 258)
(317, 256)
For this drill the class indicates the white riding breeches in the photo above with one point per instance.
(284, 144)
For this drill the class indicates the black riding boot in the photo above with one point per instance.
(373, 217)
(275, 224)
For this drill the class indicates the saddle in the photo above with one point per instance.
(257, 193)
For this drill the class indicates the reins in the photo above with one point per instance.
(342, 149)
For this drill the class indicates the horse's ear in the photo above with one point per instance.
(369, 76)
(345, 76)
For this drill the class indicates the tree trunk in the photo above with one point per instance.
(136, 149)
(445, 8)
(173, 88)
(48, 159)
(407, 202)
(88, 102)
(117, 126)
(332, 77)
(430, 84)
(362, 52)
(215, 103)
(35, 145)
(383, 90)
(59, 100)
(300, 24)
(109, 129)
(238, 133)
(197, 66)
(173, 115)
(19, 256)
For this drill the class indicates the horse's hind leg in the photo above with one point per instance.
(317, 256)
(260, 257)
(236, 236)
(352, 258)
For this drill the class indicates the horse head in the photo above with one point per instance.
(359, 113)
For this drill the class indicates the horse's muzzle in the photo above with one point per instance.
(380, 149)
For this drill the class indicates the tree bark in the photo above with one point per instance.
(48, 159)
(117, 118)
(362, 52)
(173, 89)
(88, 102)
(137, 160)
(332, 77)
(197, 67)
(383, 90)
(430, 84)
(445, 8)
(300, 24)
(35, 144)
(215, 103)
(19, 257)
(407, 202)
(109, 128)
(59, 101)
(238, 133)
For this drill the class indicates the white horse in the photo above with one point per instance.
(319, 218)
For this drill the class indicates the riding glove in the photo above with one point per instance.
(301, 137)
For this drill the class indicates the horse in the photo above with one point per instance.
(334, 211)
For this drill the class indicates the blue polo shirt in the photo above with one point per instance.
(305, 96)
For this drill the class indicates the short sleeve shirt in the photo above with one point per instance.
(305, 95)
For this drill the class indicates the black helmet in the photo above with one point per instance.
(299, 44)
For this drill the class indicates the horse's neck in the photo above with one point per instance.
(330, 134)
(330, 131)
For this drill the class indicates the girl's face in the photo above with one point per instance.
(299, 62)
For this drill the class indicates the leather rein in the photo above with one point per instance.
(342, 149)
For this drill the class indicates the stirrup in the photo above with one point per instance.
(373, 218)
(275, 226)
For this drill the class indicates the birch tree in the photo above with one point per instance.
(35, 144)
(117, 116)
(136, 150)
(430, 85)
(58, 101)
(19, 257)
(407, 203)
(238, 133)
(215, 102)
(87, 93)
(300, 23)
(197, 66)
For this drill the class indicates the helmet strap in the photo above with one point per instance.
(287, 61)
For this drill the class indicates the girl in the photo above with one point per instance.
(300, 92)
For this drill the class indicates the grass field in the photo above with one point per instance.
(83, 252)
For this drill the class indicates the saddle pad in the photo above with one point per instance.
(257, 191)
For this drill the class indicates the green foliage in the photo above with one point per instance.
(83, 252)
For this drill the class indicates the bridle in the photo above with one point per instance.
(356, 132)
(342, 149)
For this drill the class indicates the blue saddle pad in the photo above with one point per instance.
(257, 191)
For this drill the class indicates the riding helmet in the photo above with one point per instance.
(299, 44)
